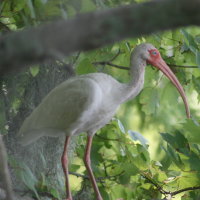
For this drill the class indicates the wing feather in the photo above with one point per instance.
(63, 110)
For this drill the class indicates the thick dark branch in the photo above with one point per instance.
(94, 30)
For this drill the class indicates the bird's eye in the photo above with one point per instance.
(153, 53)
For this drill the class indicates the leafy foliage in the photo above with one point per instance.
(131, 160)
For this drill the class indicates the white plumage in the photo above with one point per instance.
(86, 103)
(80, 104)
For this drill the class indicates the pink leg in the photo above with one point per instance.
(65, 161)
(89, 169)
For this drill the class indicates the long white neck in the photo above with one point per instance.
(137, 72)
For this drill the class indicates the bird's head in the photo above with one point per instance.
(151, 55)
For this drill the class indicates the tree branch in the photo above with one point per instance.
(93, 30)
(127, 68)
(111, 64)
(98, 179)
(4, 172)
(162, 191)
(182, 66)
(184, 190)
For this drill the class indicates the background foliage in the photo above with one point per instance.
(150, 150)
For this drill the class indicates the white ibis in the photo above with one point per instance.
(86, 103)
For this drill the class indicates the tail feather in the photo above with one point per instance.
(31, 136)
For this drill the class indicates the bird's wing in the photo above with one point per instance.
(63, 110)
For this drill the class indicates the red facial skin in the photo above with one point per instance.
(154, 54)
(157, 61)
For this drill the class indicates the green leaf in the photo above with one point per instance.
(141, 159)
(194, 161)
(177, 141)
(24, 173)
(149, 100)
(121, 126)
(34, 70)
(18, 5)
(74, 167)
(138, 137)
(88, 5)
(175, 157)
(55, 193)
(191, 130)
(198, 58)
(166, 162)
(190, 41)
(28, 178)
(85, 67)
(196, 82)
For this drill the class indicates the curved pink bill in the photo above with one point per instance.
(161, 65)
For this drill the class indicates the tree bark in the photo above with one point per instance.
(93, 30)
(4, 172)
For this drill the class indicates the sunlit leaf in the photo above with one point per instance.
(121, 126)
(174, 156)
(192, 131)
(138, 137)
(85, 67)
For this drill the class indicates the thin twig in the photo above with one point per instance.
(182, 66)
(79, 175)
(98, 179)
(162, 191)
(115, 56)
(109, 139)
(110, 64)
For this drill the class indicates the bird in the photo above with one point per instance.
(86, 103)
